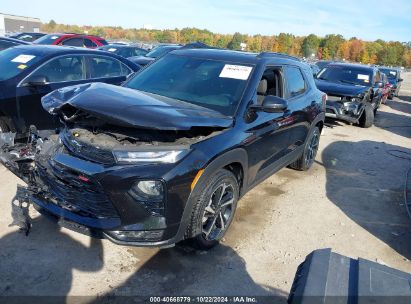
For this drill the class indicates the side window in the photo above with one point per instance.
(295, 81)
(69, 68)
(102, 67)
(74, 42)
(270, 84)
(90, 44)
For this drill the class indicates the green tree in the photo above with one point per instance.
(234, 44)
(332, 42)
(310, 45)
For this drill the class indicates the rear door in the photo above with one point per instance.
(107, 69)
(301, 105)
(59, 72)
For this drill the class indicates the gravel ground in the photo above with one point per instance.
(350, 201)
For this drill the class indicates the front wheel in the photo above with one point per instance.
(310, 151)
(367, 117)
(214, 210)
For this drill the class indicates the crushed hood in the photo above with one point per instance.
(130, 108)
(340, 89)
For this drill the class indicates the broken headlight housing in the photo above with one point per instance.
(161, 156)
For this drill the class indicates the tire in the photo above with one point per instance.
(3, 125)
(390, 96)
(367, 117)
(307, 158)
(210, 219)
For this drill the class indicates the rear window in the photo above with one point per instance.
(14, 61)
(47, 39)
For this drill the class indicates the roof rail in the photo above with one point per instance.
(275, 54)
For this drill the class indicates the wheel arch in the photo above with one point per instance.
(236, 161)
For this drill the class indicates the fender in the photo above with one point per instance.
(233, 156)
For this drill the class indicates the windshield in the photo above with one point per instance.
(13, 61)
(47, 39)
(346, 74)
(160, 51)
(390, 73)
(216, 85)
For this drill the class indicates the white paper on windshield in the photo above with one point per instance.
(23, 58)
(112, 49)
(393, 73)
(236, 71)
(54, 37)
(364, 77)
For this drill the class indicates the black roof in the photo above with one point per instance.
(238, 56)
(353, 65)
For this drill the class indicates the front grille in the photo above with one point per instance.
(86, 151)
(85, 198)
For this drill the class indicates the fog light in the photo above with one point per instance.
(149, 190)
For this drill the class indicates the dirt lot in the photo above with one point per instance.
(351, 201)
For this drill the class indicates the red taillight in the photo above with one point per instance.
(83, 178)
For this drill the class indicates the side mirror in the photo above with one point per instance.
(35, 81)
(271, 104)
(400, 79)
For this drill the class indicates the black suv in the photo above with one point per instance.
(354, 92)
(167, 156)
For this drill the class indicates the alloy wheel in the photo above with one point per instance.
(312, 149)
(219, 212)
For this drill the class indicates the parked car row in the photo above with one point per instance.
(166, 155)
(356, 91)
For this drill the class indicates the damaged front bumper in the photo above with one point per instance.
(349, 111)
(86, 197)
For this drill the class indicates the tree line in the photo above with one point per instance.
(332, 46)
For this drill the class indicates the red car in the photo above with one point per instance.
(386, 89)
(80, 40)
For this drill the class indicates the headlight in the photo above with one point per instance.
(171, 156)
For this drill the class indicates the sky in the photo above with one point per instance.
(364, 19)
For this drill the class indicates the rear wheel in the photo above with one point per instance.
(214, 210)
(310, 151)
(3, 125)
(367, 117)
